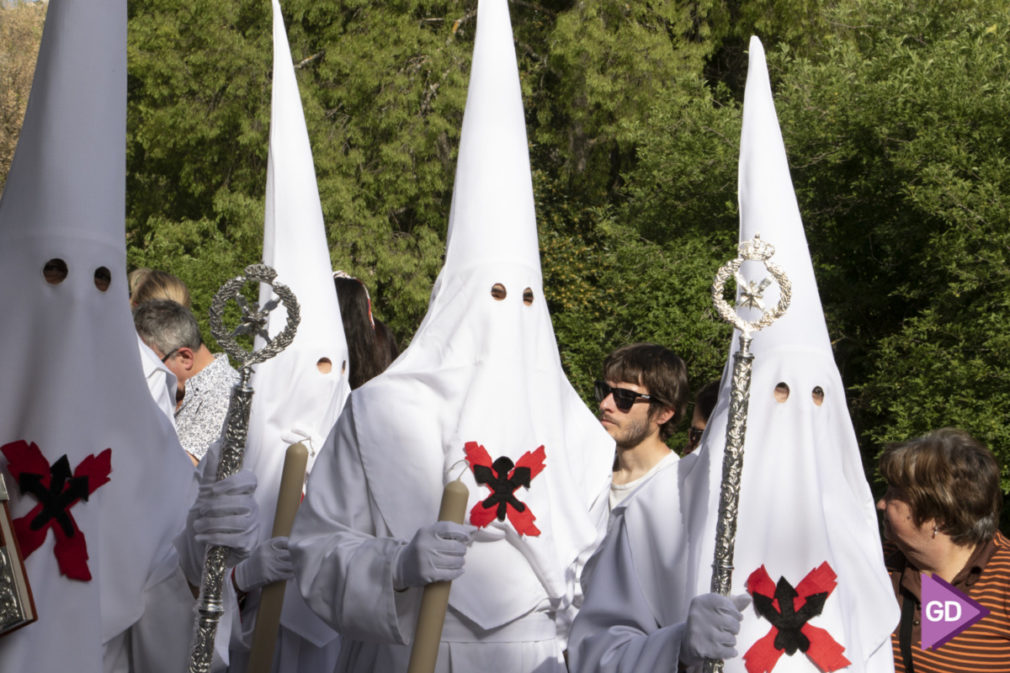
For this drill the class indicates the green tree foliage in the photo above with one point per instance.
(20, 32)
(655, 253)
(385, 85)
(604, 65)
(898, 138)
(197, 121)
(893, 113)
(801, 25)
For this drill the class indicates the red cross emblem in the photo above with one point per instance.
(57, 490)
(503, 478)
(789, 609)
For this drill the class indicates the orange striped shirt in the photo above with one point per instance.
(983, 646)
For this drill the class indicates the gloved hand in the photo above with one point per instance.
(713, 620)
(435, 554)
(269, 562)
(225, 513)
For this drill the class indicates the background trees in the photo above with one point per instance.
(20, 32)
(893, 114)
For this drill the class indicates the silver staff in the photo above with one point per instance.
(750, 296)
(253, 322)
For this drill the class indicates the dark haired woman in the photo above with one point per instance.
(359, 330)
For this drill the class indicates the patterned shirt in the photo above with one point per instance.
(200, 417)
(984, 646)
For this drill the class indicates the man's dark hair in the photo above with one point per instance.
(950, 477)
(167, 325)
(706, 398)
(661, 371)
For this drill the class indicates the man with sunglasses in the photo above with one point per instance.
(641, 399)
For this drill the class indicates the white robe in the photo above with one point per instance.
(635, 605)
(639, 584)
(483, 369)
(159, 642)
(344, 543)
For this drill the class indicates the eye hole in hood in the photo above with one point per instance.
(54, 271)
(103, 278)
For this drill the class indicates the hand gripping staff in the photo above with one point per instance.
(435, 599)
(750, 296)
(253, 322)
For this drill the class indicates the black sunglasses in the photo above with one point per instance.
(623, 398)
(170, 354)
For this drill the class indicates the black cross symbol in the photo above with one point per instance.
(64, 491)
(787, 619)
(502, 487)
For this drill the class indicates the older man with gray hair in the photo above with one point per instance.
(205, 379)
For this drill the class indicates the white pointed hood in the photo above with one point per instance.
(72, 380)
(487, 370)
(804, 499)
(492, 220)
(294, 401)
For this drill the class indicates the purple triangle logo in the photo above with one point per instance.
(946, 611)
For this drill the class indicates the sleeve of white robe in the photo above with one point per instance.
(599, 513)
(616, 630)
(160, 381)
(343, 553)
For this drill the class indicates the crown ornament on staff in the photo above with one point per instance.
(750, 296)
(253, 322)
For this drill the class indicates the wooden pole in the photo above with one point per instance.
(435, 599)
(268, 616)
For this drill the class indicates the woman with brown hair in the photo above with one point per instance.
(940, 512)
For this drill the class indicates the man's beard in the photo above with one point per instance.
(633, 434)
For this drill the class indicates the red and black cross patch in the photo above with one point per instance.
(57, 491)
(789, 610)
(503, 478)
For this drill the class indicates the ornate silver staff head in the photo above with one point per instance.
(751, 295)
(254, 317)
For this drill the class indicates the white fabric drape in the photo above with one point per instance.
(479, 369)
(804, 498)
(72, 379)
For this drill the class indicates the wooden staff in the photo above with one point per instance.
(435, 599)
(268, 615)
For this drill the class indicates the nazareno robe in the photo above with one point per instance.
(401, 438)
(636, 596)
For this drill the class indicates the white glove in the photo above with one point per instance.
(434, 555)
(225, 513)
(269, 562)
(713, 620)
